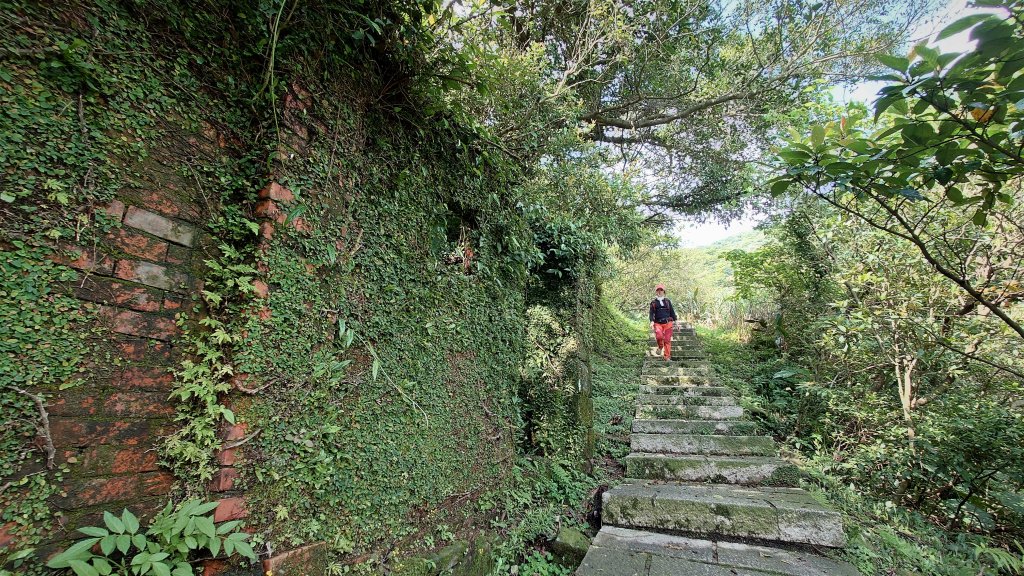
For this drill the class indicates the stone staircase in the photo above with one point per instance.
(704, 494)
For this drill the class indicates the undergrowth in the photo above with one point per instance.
(885, 538)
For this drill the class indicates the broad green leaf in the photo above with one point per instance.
(102, 566)
(225, 527)
(205, 525)
(818, 135)
(214, 546)
(80, 568)
(77, 551)
(161, 569)
(124, 543)
(955, 195)
(245, 550)
(131, 523)
(93, 531)
(897, 63)
(113, 523)
(779, 186)
(205, 508)
(107, 544)
(961, 25)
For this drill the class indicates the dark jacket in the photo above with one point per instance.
(662, 313)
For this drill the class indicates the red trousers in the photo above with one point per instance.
(663, 334)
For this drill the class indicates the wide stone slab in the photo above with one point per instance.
(684, 390)
(771, 514)
(670, 412)
(681, 400)
(676, 361)
(703, 444)
(677, 371)
(678, 353)
(675, 426)
(621, 551)
(690, 379)
(747, 470)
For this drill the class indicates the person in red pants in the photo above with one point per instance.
(662, 317)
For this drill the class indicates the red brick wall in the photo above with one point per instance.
(137, 277)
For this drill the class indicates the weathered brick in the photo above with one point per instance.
(7, 534)
(105, 291)
(70, 431)
(275, 191)
(143, 349)
(215, 567)
(138, 405)
(157, 225)
(178, 254)
(138, 324)
(267, 230)
(230, 509)
(85, 259)
(155, 378)
(270, 210)
(224, 480)
(310, 559)
(260, 288)
(114, 210)
(173, 304)
(138, 245)
(96, 491)
(300, 225)
(234, 432)
(227, 457)
(150, 274)
(162, 202)
(105, 460)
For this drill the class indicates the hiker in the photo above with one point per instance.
(662, 317)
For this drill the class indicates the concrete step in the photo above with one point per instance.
(698, 371)
(703, 444)
(677, 341)
(686, 390)
(750, 470)
(677, 354)
(707, 427)
(693, 379)
(669, 412)
(619, 551)
(788, 515)
(675, 362)
(677, 399)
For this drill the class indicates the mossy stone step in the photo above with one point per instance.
(619, 551)
(674, 362)
(670, 412)
(707, 427)
(686, 390)
(701, 379)
(788, 515)
(703, 444)
(676, 399)
(699, 371)
(749, 470)
(690, 355)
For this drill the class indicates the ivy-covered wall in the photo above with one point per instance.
(302, 295)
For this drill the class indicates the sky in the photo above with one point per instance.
(692, 233)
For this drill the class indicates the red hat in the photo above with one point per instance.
(659, 287)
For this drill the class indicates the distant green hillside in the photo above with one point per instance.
(699, 280)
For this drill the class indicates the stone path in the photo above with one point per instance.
(705, 495)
